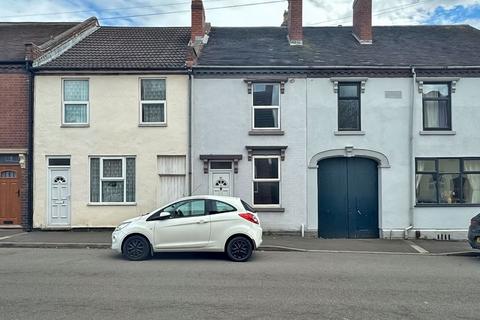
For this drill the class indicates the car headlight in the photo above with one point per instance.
(121, 226)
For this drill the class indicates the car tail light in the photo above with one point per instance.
(249, 216)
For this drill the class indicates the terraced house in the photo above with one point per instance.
(350, 132)
(111, 124)
(17, 42)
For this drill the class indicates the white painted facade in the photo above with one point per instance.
(113, 131)
(386, 136)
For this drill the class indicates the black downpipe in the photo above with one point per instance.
(190, 132)
(29, 225)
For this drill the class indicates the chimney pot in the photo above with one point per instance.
(295, 24)
(362, 21)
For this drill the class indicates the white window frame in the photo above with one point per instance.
(87, 103)
(254, 107)
(279, 180)
(118, 179)
(140, 119)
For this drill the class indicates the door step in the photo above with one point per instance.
(10, 226)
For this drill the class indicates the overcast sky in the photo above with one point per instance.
(221, 12)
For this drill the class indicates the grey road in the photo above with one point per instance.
(97, 284)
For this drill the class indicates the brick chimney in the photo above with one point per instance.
(295, 25)
(198, 22)
(362, 21)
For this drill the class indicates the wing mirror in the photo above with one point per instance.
(164, 215)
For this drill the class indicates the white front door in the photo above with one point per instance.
(221, 183)
(59, 197)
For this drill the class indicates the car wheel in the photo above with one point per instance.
(239, 249)
(136, 248)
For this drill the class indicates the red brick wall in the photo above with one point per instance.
(198, 19)
(14, 88)
(362, 19)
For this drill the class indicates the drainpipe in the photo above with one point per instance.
(29, 225)
(190, 93)
(411, 155)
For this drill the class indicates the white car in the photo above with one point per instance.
(198, 223)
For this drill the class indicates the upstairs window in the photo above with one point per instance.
(75, 102)
(437, 113)
(153, 102)
(349, 106)
(266, 106)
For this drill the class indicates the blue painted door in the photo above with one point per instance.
(347, 198)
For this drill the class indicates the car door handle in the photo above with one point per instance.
(201, 221)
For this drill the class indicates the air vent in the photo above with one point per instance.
(393, 94)
(8, 222)
(443, 236)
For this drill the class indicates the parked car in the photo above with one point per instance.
(198, 223)
(474, 232)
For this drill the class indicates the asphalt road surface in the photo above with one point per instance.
(98, 284)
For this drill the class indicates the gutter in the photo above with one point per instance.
(22, 62)
(31, 73)
(337, 67)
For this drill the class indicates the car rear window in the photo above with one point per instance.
(247, 206)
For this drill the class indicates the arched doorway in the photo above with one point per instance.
(348, 198)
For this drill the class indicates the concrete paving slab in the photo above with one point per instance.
(310, 243)
(9, 232)
(436, 246)
(87, 237)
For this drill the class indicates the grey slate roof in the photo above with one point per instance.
(457, 45)
(14, 36)
(127, 48)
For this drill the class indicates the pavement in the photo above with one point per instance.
(102, 239)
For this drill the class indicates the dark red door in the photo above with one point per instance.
(9, 194)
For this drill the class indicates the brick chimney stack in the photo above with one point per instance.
(295, 25)
(198, 22)
(362, 21)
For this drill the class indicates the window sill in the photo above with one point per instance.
(349, 133)
(266, 132)
(446, 205)
(269, 209)
(152, 124)
(122, 204)
(437, 133)
(75, 126)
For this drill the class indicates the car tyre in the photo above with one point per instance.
(136, 248)
(239, 249)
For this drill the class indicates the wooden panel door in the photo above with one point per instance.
(348, 198)
(10, 194)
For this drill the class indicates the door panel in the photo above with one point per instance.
(362, 198)
(187, 231)
(348, 198)
(332, 198)
(10, 195)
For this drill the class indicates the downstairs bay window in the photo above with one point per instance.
(448, 181)
(266, 181)
(112, 179)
